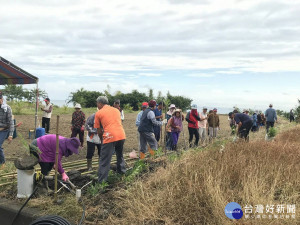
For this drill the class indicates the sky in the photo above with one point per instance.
(220, 53)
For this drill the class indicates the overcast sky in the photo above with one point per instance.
(217, 52)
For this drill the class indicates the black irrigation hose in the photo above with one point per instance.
(51, 220)
(35, 189)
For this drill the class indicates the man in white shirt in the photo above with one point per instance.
(203, 125)
(47, 115)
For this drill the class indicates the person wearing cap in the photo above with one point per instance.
(117, 106)
(271, 117)
(47, 152)
(92, 141)
(213, 124)
(158, 116)
(169, 139)
(244, 123)
(78, 122)
(47, 112)
(6, 127)
(192, 118)
(203, 125)
(138, 121)
(110, 130)
(146, 130)
(175, 124)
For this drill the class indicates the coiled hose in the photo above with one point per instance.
(50, 220)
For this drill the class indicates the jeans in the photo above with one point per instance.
(3, 135)
(157, 132)
(169, 141)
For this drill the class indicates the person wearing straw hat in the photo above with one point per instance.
(169, 139)
(78, 122)
(47, 112)
(175, 124)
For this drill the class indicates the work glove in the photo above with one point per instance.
(65, 177)
(164, 121)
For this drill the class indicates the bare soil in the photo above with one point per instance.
(20, 144)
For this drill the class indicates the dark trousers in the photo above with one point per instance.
(169, 141)
(105, 159)
(91, 149)
(292, 119)
(192, 132)
(245, 129)
(269, 124)
(46, 124)
(157, 132)
(46, 167)
(76, 131)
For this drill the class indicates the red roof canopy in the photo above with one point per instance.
(11, 74)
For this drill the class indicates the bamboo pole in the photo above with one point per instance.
(165, 131)
(56, 159)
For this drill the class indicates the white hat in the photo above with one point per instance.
(194, 106)
(172, 106)
(77, 106)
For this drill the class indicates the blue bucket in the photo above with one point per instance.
(39, 132)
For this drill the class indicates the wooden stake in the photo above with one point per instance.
(56, 159)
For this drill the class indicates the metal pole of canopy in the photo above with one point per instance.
(36, 107)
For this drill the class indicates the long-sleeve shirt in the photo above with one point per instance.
(213, 120)
(78, 119)
(151, 116)
(92, 135)
(271, 115)
(6, 120)
(138, 118)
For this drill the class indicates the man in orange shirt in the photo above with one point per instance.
(110, 129)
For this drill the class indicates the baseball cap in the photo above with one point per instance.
(152, 103)
(47, 100)
(145, 104)
(194, 106)
(215, 109)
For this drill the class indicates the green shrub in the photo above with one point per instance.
(272, 132)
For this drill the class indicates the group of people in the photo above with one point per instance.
(243, 122)
(106, 133)
(200, 124)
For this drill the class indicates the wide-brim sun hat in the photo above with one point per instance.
(172, 106)
(77, 106)
(177, 110)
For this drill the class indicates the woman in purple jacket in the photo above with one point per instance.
(47, 147)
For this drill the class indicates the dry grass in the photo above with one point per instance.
(196, 188)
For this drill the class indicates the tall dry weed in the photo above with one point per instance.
(196, 188)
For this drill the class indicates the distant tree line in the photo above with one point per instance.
(132, 100)
(18, 93)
